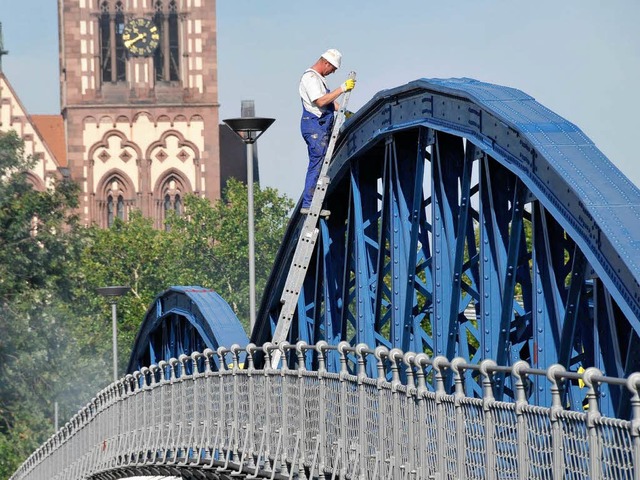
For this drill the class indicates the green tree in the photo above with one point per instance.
(37, 242)
(130, 253)
(207, 246)
(56, 335)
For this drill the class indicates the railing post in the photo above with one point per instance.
(394, 355)
(518, 374)
(633, 385)
(458, 380)
(283, 347)
(362, 406)
(193, 446)
(181, 441)
(267, 347)
(173, 366)
(412, 453)
(489, 423)
(140, 390)
(421, 361)
(118, 421)
(250, 349)
(206, 436)
(554, 375)
(321, 348)
(381, 353)
(593, 414)
(235, 348)
(145, 381)
(343, 410)
(438, 364)
(300, 352)
(223, 419)
(159, 433)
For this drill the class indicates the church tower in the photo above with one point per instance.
(139, 99)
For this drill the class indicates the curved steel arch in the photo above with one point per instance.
(468, 219)
(183, 320)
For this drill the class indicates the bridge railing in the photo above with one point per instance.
(216, 411)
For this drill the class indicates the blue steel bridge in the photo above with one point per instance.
(471, 311)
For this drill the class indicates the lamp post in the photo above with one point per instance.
(249, 130)
(112, 295)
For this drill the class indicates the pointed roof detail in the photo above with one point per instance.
(51, 128)
(43, 135)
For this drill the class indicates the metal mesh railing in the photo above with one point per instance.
(412, 421)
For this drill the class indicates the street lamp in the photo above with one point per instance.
(249, 130)
(112, 295)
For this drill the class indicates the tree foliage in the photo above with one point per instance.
(33, 247)
(56, 330)
(37, 242)
(129, 253)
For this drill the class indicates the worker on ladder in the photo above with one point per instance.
(318, 107)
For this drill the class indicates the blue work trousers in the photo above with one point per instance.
(316, 132)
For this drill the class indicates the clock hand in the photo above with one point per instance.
(128, 43)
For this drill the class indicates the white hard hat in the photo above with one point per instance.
(332, 56)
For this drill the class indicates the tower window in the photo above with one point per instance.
(167, 55)
(119, 209)
(114, 204)
(173, 191)
(113, 57)
(109, 211)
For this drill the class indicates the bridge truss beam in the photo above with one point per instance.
(468, 220)
(181, 320)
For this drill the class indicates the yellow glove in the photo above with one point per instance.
(348, 85)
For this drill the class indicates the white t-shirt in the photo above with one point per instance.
(312, 87)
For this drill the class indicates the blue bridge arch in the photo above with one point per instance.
(470, 220)
(467, 221)
(181, 320)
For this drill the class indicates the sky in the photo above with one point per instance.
(579, 58)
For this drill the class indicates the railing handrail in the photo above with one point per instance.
(411, 372)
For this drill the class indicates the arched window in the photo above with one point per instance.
(115, 200)
(110, 211)
(120, 208)
(167, 56)
(113, 57)
(172, 190)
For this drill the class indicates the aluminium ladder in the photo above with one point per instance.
(307, 240)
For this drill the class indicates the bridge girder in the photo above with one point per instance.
(469, 220)
(183, 320)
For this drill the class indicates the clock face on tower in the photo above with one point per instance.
(141, 37)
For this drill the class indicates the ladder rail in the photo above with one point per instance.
(306, 242)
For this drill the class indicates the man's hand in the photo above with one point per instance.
(348, 85)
